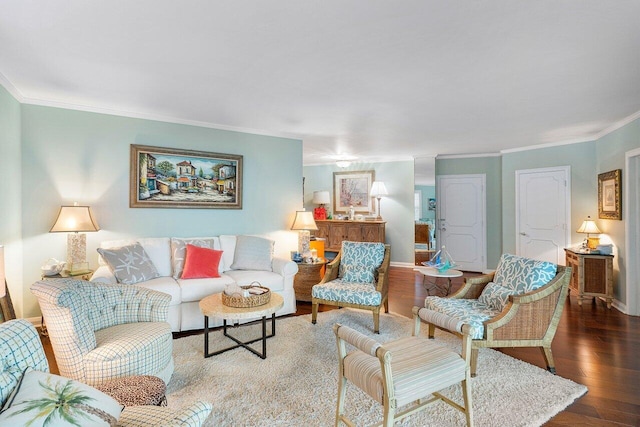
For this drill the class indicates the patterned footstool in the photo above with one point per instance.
(136, 390)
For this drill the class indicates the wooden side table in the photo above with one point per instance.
(309, 274)
(591, 275)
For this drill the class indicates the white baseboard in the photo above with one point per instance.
(402, 264)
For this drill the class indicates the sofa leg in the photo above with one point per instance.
(314, 312)
(548, 357)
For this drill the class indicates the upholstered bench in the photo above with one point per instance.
(136, 390)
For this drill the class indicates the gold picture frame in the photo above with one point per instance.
(353, 188)
(163, 177)
(610, 195)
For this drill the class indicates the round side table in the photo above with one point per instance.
(309, 274)
(433, 272)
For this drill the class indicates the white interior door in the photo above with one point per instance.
(461, 224)
(631, 215)
(543, 207)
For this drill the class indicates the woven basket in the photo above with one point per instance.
(238, 301)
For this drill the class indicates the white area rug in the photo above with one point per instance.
(296, 385)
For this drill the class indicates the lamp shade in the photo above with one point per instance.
(378, 189)
(588, 226)
(304, 221)
(74, 219)
(321, 197)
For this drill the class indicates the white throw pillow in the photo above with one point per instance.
(41, 398)
(253, 253)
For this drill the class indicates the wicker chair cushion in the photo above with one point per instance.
(359, 261)
(349, 292)
(523, 275)
(495, 296)
(467, 310)
(419, 367)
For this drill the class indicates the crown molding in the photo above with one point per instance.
(155, 117)
(466, 156)
(617, 125)
(549, 145)
(4, 81)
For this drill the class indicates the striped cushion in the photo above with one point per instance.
(145, 416)
(419, 367)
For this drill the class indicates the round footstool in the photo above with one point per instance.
(136, 390)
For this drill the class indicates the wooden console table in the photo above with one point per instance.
(591, 275)
(336, 230)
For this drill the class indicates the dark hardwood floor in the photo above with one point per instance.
(594, 346)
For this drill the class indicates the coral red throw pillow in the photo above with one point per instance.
(201, 263)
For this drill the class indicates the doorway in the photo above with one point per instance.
(543, 205)
(631, 208)
(461, 219)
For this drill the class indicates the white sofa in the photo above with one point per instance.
(184, 312)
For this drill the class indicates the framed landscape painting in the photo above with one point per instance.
(353, 189)
(610, 195)
(175, 178)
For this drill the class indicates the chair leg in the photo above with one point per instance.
(468, 407)
(386, 305)
(389, 414)
(314, 312)
(548, 357)
(474, 361)
(432, 330)
(376, 320)
(342, 388)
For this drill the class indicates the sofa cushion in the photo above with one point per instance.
(495, 296)
(158, 249)
(359, 261)
(167, 285)
(130, 264)
(253, 253)
(228, 246)
(179, 251)
(201, 263)
(196, 289)
(271, 280)
(41, 399)
(469, 311)
(523, 275)
(351, 292)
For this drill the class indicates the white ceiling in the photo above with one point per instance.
(375, 79)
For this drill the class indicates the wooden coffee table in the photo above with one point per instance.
(212, 306)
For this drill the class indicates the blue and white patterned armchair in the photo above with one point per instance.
(21, 349)
(518, 305)
(99, 332)
(358, 277)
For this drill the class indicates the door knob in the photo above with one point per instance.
(522, 233)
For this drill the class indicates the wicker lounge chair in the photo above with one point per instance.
(519, 305)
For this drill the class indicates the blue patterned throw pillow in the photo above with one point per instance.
(360, 260)
(495, 296)
(523, 275)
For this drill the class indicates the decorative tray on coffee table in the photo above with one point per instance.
(258, 295)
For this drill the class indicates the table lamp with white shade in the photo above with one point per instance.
(321, 198)
(303, 223)
(378, 190)
(75, 220)
(589, 227)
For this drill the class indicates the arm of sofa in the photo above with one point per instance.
(284, 267)
(104, 275)
(193, 415)
(531, 316)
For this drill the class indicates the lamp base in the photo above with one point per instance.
(320, 213)
(304, 237)
(77, 253)
(593, 242)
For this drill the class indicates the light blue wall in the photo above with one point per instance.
(72, 156)
(396, 208)
(10, 187)
(491, 168)
(428, 192)
(610, 151)
(581, 158)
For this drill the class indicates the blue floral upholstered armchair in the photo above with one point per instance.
(358, 277)
(518, 305)
(30, 395)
